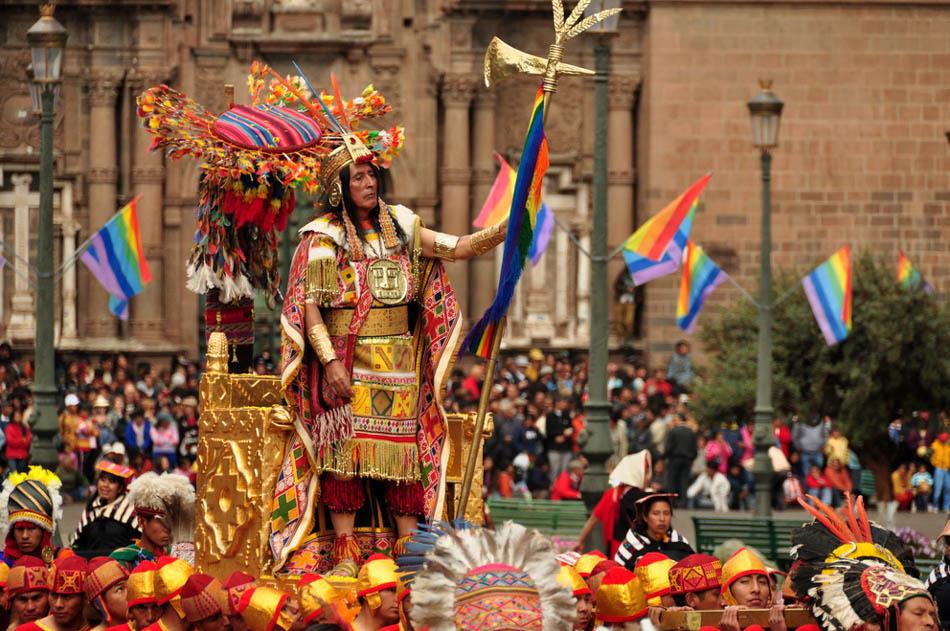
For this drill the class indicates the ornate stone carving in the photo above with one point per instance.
(458, 89)
(147, 175)
(102, 175)
(103, 89)
(622, 91)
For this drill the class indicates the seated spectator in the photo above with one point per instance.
(840, 481)
(903, 493)
(792, 490)
(818, 485)
(741, 488)
(922, 483)
(719, 450)
(568, 484)
(710, 490)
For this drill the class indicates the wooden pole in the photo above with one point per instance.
(480, 420)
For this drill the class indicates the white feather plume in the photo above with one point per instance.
(168, 493)
(458, 552)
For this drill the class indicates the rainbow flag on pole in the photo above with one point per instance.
(643, 270)
(114, 256)
(498, 203)
(828, 288)
(525, 204)
(699, 279)
(652, 239)
(908, 276)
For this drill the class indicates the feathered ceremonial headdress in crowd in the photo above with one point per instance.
(169, 497)
(32, 497)
(850, 571)
(471, 578)
(253, 158)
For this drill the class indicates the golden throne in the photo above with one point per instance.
(243, 428)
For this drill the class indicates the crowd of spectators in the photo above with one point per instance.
(147, 416)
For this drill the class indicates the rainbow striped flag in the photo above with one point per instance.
(653, 238)
(525, 204)
(542, 234)
(114, 256)
(828, 288)
(643, 270)
(908, 276)
(498, 203)
(699, 279)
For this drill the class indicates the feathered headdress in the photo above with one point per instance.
(848, 570)
(253, 158)
(32, 497)
(168, 496)
(479, 579)
(831, 537)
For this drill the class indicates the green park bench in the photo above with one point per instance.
(771, 537)
(867, 486)
(925, 566)
(563, 519)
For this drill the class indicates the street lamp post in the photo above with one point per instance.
(598, 447)
(765, 110)
(47, 38)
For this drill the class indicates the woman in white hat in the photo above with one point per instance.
(632, 472)
(69, 421)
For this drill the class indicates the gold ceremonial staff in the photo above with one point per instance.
(501, 62)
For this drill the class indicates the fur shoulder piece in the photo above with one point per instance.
(326, 224)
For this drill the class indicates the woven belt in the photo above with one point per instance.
(380, 321)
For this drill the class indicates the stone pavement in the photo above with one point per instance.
(929, 524)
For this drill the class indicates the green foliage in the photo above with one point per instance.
(896, 356)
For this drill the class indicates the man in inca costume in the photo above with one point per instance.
(370, 327)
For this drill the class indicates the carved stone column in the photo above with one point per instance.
(621, 175)
(102, 177)
(147, 309)
(457, 91)
(22, 325)
(483, 175)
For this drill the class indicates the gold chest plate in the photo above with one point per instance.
(387, 282)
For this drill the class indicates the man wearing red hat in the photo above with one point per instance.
(27, 591)
(67, 598)
(105, 587)
(696, 581)
(235, 585)
(142, 597)
(746, 583)
(376, 585)
(569, 578)
(205, 603)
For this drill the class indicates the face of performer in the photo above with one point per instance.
(918, 614)
(66, 608)
(658, 518)
(28, 537)
(406, 605)
(388, 609)
(144, 614)
(363, 187)
(108, 486)
(752, 591)
(585, 613)
(155, 531)
(30, 606)
(219, 622)
(703, 601)
(116, 601)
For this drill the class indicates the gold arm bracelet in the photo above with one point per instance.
(486, 240)
(320, 341)
(445, 246)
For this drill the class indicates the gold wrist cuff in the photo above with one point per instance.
(320, 341)
(485, 240)
(445, 245)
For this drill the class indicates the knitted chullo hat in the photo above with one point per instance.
(31, 497)
(202, 597)
(28, 574)
(169, 497)
(480, 579)
(67, 575)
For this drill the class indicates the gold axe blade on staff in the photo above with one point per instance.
(501, 62)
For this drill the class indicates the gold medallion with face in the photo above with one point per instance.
(387, 283)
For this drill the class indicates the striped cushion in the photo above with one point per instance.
(266, 127)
